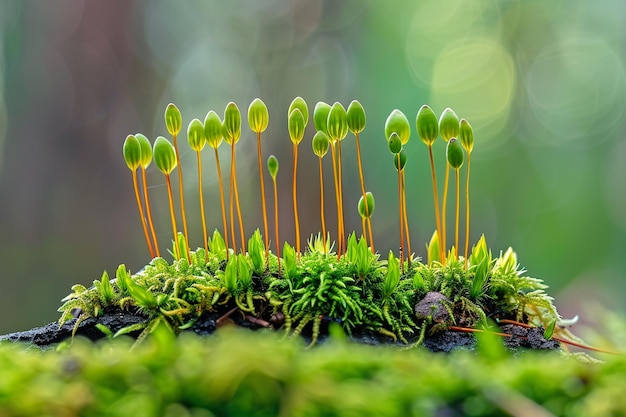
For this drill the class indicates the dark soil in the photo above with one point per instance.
(445, 341)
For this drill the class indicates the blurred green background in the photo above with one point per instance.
(543, 84)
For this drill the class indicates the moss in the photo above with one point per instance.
(260, 374)
(359, 291)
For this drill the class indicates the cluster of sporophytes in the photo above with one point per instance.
(400, 298)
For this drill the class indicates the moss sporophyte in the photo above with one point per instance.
(400, 298)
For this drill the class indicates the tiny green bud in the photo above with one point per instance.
(402, 158)
(337, 122)
(258, 116)
(448, 124)
(195, 135)
(164, 155)
(320, 144)
(479, 251)
(433, 249)
(549, 331)
(272, 166)
(466, 136)
(300, 104)
(397, 122)
(366, 210)
(132, 152)
(146, 150)
(213, 131)
(427, 125)
(173, 119)
(356, 117)
(232, 123)
(395, 143)
(296, 125)
(455, 154)
(320, 116)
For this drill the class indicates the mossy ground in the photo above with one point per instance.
(241, 373)
(400, 303)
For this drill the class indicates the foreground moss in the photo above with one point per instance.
(238, 372)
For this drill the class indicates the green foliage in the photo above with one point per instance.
(361, 257)
(480, 263)
(179, 248)
(519, 295)
(433, 249)
(217, 246)
(256, 251)
(289, 255)
(392, 277)
(237, 276)
(260, 374)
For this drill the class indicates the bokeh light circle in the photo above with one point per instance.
(477, 78)
(576, 89)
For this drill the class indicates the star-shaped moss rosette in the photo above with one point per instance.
(400, 298)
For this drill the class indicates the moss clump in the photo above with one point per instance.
(358, 291)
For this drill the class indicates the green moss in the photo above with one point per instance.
(359, 291)
(260, 374)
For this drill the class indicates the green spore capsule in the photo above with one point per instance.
(356, 117)
(397, 122)
(402, 160)
(466, 136)
(213, 130)
(132, 152)
(272, 166)
(337, 122)
(320, 144)
(258, 116)
(427, 125)
(320, 116)
(173, 119)
(454, 152)
(164, 155)
(232, 123)
(366, 205)
(394, 143)
(448, 124)
(195, 135)
(296, 125)
(146, 150)
(300, 104)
